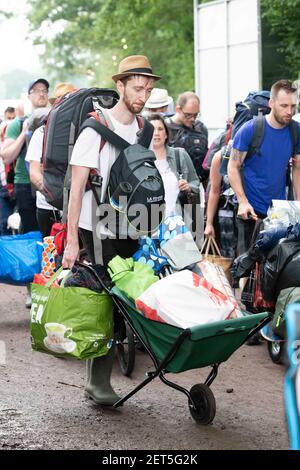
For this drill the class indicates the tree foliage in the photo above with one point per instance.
(84, 37)
(89, 37)
(5, 15)
(283, 18)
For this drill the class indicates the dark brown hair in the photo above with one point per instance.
(158, 117)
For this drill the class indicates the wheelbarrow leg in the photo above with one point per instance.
(151, 376)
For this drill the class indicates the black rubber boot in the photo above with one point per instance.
(98, 385)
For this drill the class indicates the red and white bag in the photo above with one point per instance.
(184, 299)
(215, 275)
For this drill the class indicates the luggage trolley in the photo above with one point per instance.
(176, 350)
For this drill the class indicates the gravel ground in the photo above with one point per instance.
(42, 402)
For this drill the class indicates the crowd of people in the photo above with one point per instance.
(180, 145)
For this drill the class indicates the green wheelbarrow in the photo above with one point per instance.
(176, 350)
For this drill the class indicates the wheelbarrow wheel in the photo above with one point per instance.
(205, 404)
(277, 351)
(126, 351)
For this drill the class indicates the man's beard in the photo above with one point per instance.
(281, 121)
(133, 108)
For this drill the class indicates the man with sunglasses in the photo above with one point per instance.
(187, 131)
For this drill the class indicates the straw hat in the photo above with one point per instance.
(134, 65)
(158, 98)
(61, 89)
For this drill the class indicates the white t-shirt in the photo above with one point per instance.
(34, 154)
(86, 153)
(2, 173)
(170, 185)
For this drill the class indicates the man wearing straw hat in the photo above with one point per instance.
(134, 81)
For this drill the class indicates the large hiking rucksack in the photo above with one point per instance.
(218, 143)
(194, 140)
(256, 103)
(134, 180)
(61, 131)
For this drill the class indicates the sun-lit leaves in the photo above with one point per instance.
(93, 30)
(283, 17)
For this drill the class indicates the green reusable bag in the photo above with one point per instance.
(131, 277)
(70, 321)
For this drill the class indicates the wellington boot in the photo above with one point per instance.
(98, 385)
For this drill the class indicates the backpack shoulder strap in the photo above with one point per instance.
(146, 133)
(105, 132)
(294, 130)
(177, 156)
(258, 135)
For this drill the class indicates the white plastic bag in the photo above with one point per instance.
(184, 299)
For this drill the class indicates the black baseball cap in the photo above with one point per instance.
(38, 80)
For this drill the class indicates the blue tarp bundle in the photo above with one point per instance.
(20, 258)
(268, 239)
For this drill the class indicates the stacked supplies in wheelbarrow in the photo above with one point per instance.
(20, 258)
(185, 299)
(70, 321)
(215, 275)
(131, 277)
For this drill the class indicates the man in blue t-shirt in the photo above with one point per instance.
(264, 173)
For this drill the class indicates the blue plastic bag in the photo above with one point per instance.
(20, 258)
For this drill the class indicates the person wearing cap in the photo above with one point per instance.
(45, 213)
(14, 149)
(134, 82)
(158, 102)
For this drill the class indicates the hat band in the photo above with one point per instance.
(145, 70)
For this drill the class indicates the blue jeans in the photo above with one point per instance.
(7, 206)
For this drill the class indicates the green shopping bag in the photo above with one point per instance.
(70, 321)
(131, 277)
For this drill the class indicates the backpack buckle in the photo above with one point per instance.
(96, 180)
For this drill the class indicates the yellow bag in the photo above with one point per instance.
(210, 246)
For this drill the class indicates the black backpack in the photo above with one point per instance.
(61, 131)
(133, 180)
(280, 269)
(194, 140)
(255, 104)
